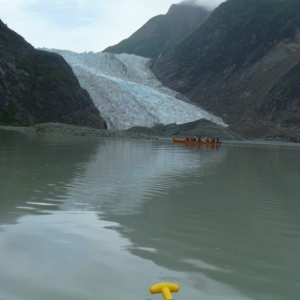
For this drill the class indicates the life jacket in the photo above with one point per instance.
(200, 140)
(187, 138)
(193, 138)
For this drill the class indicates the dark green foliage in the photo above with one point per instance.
(241, 64)
(159, 33)
(238, 32)
(288, 86)
(284, 93)
(291, 121)
(38, 86)
(179, 40)
(146, 47)
(8, 116)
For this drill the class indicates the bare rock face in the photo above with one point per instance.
(162, 32)
(38, 87)
(242, 64)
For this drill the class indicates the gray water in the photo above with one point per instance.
(91, 218)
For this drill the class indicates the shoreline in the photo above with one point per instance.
(59, 128)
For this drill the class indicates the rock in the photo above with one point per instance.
(242, 76)
(59, 128)
(160, 32)
(198, 128)
(37, 86)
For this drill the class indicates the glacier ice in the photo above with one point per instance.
(127, 93)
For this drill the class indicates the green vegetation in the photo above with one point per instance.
(238, 32)
(37, 85)
(288, 86)
(273, 119)
(11, 42)
(179, 40)
(9, 116)
(146, 47)
(162, 31)
(291, 121)
(39, 128)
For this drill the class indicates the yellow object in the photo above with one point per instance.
(165, 288)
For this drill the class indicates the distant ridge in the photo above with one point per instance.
(160, 32)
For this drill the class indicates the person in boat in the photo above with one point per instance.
(213, 140)
(200, 139)
(207, 140)
(193, 139)
(187, 138)
(217, 139)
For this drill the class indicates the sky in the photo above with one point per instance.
(82, 25)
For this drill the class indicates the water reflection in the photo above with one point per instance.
(239, 227)
(124, 174)
(224, 223)
(226, 216)
(35, 171)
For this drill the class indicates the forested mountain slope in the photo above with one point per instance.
(37, 86)
(243, 65)
(160, 33)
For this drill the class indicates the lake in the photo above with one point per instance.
(101, 218)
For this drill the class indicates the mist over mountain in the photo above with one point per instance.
(161, 33)
(38, 86)
(242, 64)
(208, 4)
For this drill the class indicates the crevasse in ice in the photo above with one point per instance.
(127, 93)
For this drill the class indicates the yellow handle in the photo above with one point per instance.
(165, 288)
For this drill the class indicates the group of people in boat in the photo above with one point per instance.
(204, 140)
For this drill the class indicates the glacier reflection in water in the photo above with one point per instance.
(124, 174)
(90, 218)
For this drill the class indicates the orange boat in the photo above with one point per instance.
(195, 142)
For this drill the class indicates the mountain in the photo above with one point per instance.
(243, 65)
(37, 86)
(127, 93)
(197, 128)
(162, 32)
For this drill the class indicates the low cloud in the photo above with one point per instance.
(209, 4)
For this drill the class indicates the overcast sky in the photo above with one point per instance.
(82, 25)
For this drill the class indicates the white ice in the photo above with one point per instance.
(127, 93)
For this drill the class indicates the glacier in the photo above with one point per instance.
(127, 93)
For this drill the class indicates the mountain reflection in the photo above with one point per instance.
(230, 225)
(124, 174)
(35, 171)
(227, 215)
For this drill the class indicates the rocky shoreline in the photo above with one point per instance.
(65, 129)
(158, 132)
(197, 128)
